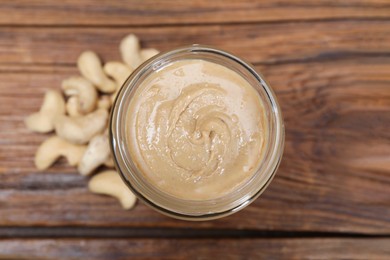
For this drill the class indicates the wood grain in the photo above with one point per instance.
(336, 112)
(329, 63)
(258, 43)
(116, 249)
(136, 13)
(333, 84)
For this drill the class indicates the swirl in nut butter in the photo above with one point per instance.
(196, 129)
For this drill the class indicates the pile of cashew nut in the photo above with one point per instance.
(78, 116)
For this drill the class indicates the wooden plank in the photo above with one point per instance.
(316, 248)
(336, 115)
(258, 43)
(135, 13)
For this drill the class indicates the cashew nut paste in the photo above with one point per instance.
(197, 129)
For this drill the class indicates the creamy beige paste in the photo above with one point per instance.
(196, 129)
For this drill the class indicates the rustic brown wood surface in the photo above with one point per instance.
(88, 12)
(98, 249)
(329, 64)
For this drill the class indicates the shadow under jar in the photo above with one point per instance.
(196, 133)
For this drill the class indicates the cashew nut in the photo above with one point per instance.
(79, 130)
(83, 90)
(72, 107)
(130, 51)
(118, 71)
(91, 68)
(97, 153)
(104, 102)
(53, 148)
(148, 53)
(110, 183)
(43, 121)
(109, 162)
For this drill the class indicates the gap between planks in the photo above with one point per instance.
(126, 232)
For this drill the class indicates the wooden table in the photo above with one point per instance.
(329, 64)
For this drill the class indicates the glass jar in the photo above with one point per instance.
(195, 209)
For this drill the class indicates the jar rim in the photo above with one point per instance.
(151, 195)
